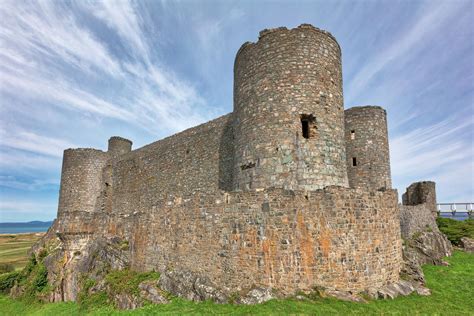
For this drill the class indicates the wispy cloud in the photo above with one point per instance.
(436, 152)
(32, 142)
(432, 17)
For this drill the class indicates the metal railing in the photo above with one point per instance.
(456, 209)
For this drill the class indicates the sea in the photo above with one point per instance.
(29, 227)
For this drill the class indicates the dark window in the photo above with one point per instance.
(354, 161)
(305, 126)
(308, 125)
(353, 134)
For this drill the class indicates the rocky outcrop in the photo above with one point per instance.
(190, 286)
(256, 296)
(467, 244)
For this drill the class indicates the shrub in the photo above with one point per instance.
(127, 281)
(7, 280)
(455, 230)
(41, 278)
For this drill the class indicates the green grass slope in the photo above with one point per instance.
(452, 294)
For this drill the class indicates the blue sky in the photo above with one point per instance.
(74, 73)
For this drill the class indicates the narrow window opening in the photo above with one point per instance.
(353, 134)
(305, 126)
(308, 125)
(354, 161)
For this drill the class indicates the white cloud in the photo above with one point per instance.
(436, 152)
(32, 142)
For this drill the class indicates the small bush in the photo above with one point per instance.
(455, 230)
(127, 281)
(7, 280)
(41, 278)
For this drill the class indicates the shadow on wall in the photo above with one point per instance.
(226, 157)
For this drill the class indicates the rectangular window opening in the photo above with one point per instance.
(305, 127)
(354, 161)
(308, 125)
(353, 134)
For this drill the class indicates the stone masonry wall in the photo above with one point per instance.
(287, 77)
(418, 211)
(81, 180)
(421, 192)
(336, 238)
(196, 160)
(416, 218)
(367, 150)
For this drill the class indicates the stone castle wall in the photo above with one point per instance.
(367, 150)
(418, 209)
(287, 79)
(338, 238)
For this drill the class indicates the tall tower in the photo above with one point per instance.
(288, 111)
(81, 180)
(368, 157)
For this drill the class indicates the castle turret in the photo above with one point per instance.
(81, 180)
(119, 146)
(368, 158)
(288, 111)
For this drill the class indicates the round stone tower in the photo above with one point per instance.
(119, 146)
(368, 158)
(288, 111)
(81, 180)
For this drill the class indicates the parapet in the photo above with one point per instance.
(119, 146)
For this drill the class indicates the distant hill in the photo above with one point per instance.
(27, 224)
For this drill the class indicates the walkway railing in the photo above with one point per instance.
(456, 210)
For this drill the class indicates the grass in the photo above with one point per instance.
(452, 292)
(455, 230)
(14, 249)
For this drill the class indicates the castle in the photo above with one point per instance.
(289, 191)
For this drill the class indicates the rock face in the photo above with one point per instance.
(191, 287)
(467, 244)
(150, 291)
(257, 296)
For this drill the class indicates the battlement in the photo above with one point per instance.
(278, 31)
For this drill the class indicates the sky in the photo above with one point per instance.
(74, 73)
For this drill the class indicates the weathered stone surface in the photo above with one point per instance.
(126, 301)
(467, 244)
(344, 296)
(257, 296)
(367, 150)
(189, 286)
(150, 291)
(423, 291)
(393, 290)
(287, 79)
(430, 248)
